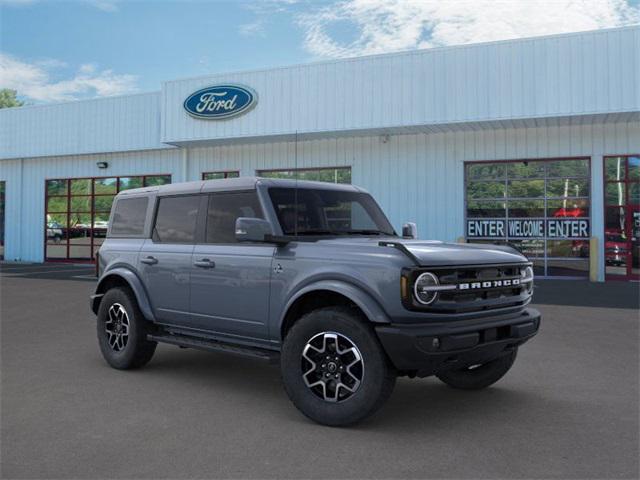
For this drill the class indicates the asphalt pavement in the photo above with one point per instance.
(569, 408)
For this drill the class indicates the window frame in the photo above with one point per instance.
(544, 259)
(92, 212)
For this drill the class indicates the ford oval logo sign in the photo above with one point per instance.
(220, 102)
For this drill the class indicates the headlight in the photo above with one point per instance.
(425, 288)
(527, 278)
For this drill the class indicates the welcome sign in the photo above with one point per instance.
(220, 102)
(528, 228)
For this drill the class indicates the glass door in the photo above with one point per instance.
(622, 217)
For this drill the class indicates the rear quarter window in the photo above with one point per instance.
(129, 216)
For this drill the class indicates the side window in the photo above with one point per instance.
(128, 216)
(176, 219)
(224, 209)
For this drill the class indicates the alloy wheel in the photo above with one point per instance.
(117, 327)
(332, 366)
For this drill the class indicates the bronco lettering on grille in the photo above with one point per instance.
(512, 282)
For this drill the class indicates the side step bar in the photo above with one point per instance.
(215, 346)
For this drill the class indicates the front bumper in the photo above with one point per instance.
(426, 349)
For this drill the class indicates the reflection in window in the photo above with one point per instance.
(77, 212)
(330, 175)
(525, 188)
(568, 188)
(615, 193)
(568, 208)
(485, 209)
(485, 171)
(634, 168)
(526, 169)
(614, 168)
(525, 208)
(176, 219)
(220, 175)
(568, 168)
(523, 194)
(485, 190)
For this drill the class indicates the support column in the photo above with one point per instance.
(597, 213)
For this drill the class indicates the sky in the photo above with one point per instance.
(54, 50)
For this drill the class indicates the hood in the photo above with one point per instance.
(430, 253)
(436, 253)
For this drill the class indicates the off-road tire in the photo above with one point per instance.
(137, 351)
(481, 376)
(378, 378)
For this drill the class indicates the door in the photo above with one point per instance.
(165, 259)
(230, 281)
(622, 217)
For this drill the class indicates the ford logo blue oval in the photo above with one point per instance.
(220, 101)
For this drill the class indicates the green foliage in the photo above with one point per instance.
(8, 98)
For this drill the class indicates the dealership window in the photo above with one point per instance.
(541, 207)
(622, 217)
(77, 212)
(331, 174)
(220, 175)
(2, 187)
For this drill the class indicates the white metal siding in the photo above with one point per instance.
(25, 189)
(416, 177)
(113, 124)
(558, 76)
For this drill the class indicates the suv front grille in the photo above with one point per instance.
(476, 288)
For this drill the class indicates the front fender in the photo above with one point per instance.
(133, 281)
(369, 306)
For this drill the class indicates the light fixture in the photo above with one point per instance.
(102, 164)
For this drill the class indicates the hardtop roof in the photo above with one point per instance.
(234, 184)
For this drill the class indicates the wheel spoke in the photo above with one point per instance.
(332, 366)
(116, 326)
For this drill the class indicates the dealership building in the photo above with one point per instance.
(534, 142)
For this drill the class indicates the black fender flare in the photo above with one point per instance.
(134, 283)
(365, 302)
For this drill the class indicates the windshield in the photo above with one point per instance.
(328, 212)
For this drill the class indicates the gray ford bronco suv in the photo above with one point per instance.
(311, 275)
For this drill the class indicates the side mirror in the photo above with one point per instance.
(410, 230)
(252, 229)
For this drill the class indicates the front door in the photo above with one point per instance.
(230, 281)
(165, 259)
(622, 217)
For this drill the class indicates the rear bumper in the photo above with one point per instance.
(429, 348)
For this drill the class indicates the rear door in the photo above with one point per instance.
(165, 259)
(230, 281)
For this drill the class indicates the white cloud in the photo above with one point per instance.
(35, 82)
(252, 28)
(104, 5)
(391, 25)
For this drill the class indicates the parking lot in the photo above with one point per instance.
(568, 408)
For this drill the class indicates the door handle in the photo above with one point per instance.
(149, 260)
(204, 263)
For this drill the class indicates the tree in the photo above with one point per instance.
(8, 98)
